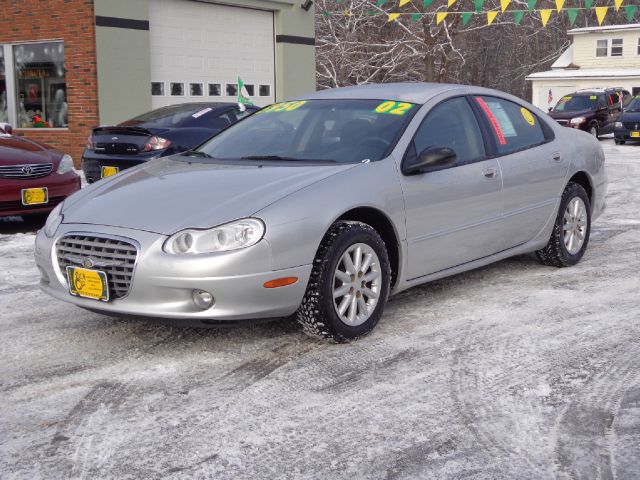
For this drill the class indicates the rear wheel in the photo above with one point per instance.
(349, 284)
(571, 230)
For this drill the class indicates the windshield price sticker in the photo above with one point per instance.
(393, 108)
(593, 97)
(283, 107)
(565, 99)
(528, 117)
(202, 112)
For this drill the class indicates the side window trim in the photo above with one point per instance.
(413, 151)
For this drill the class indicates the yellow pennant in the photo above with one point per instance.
(504, 4)
(440, 16)
(404, 2)
(346, 13)
(450, 2)
(618, 3)
(392, 17)
(491, 16)
(545, 15)
(559, 4)
(601, 12)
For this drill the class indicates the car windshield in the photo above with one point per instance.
(634, 105)
(344, 131)
(167, 117)
(574, 103)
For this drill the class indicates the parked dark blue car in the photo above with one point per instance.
(628, 125)
(158, 133)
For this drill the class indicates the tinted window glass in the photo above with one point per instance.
(215, 90)
(575, 103)
(452, 124)
(514, 127)
(157, 88)
(171, 116)
(4, 117)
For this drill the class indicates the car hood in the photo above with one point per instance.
(169, 194)
(630, 117)
(571, 114)
(18, 151)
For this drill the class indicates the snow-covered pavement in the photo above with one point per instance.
(514, 371)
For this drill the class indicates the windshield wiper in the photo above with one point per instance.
(197, 153)
(286, 159)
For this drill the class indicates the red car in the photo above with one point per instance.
(34, 178)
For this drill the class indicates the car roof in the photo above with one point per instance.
(412, 92)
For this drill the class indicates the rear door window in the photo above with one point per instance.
(512, 126)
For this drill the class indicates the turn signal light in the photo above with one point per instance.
(280, 282)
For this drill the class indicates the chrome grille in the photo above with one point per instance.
(36, 170)
(115, 257)
(632, 125)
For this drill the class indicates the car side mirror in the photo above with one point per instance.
(6, 128)
(431, 158)
(550, 108)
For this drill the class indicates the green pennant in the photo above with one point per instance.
(630, 11)
(326, 13)
(572, 13)
(517, 16)
(466, 16)
(426, 3)
(380, 3)
(415, 17)
(531, 4)
(588, 3)
(478, 4)
(371, 12)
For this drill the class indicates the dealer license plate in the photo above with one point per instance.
(35, 196)
(109, 171)
(88, 283)
(635, 134)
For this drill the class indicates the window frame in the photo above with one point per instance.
(209, 89)
(606, 53)
(609, 44)
(201, 89)
(184, 91)
(163, 94)
(260, 85)
(621, 47)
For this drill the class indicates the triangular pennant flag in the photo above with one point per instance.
(450, 2)
(478, 4)
(415, 17)
(380, 3)
(572, 13)
(630, 11)
(403, 2)
(491, 16)
(588, 3)
(326, 13)
(617, 3)
(601, 12)
(504, 4)
(466, 16)
(559, 5)
(426, 3)
(243, 96)
(517, 16)
(531, 4)
(440, 16)
(545, 15)
(392, 17)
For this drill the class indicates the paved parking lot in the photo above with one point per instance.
(511, 371)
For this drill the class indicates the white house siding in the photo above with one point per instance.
(584, 50)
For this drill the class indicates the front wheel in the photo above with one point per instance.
(619, 142)
(571, 230)
(593, 129)
(349, 283)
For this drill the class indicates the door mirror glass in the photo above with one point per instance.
(431, 158)
(6, 128)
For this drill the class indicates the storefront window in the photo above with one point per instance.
(41, 89)
(4, 114)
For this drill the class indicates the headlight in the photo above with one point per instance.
(618, 125)
(53, 221)
(66, 165)
(231, 236)
(578, 120)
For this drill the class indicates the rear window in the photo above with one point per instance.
(171, 117)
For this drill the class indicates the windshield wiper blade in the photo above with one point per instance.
(286, 159)
(197, 153)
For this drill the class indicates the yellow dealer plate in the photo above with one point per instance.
(35, 196)
(108, 171)
(635, 134)
(88, 283)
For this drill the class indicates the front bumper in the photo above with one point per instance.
(625, 134)
(162, 284)
(59, 187)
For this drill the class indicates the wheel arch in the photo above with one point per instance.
(583, 179)
(384, 226)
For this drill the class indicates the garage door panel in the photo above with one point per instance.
(197, 42)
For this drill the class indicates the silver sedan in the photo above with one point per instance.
(326, 205)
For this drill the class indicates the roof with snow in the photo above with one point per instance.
(564, 60)
(587, 73)
(628, 26)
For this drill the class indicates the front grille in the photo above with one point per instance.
(119, 257)
(26, 171)
(632, 125)
(117, 148)
(17, 205)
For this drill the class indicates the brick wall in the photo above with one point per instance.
(73, 22)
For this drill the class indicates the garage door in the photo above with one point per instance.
(199, 49)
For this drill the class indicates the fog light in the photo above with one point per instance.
(202, 299)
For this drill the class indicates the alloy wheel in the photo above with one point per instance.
(575, 225)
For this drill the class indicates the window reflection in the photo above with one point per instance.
(4, 116)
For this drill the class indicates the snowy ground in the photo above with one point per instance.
(514, 371)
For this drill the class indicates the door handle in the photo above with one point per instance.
(490, 173)
(557, 156)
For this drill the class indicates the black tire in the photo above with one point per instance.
(593, 129)
(317, 313)
(555, 254)
(620, 142)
